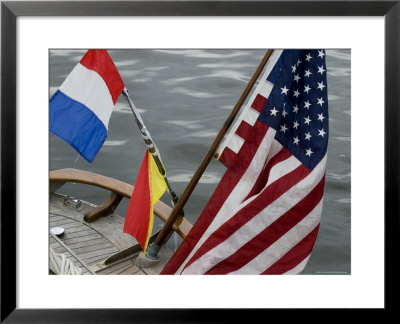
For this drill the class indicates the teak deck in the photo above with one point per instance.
(92, 234)
(89, 243)
(89, 247)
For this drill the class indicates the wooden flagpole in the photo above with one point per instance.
(178, 208)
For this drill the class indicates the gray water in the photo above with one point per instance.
(184, 97)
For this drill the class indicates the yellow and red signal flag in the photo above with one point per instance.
(150, 186)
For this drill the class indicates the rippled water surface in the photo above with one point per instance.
(184, 97)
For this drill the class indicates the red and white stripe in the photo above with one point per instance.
(271, 231)
(234, 140)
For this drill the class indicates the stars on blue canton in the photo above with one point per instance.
(297, 107)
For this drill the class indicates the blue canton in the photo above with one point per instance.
(297, 107)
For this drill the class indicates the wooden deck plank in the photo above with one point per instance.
(98, 258)
(57, 217)
(60, 217)
(89, 237)
(91, 254)
(62, 222)
(73, 225)
(79, 228)
(118, 271)
(62, 250)
(95, 247)
(69, 235)
(130, 271)
(77, 247)
(54, 217)
(115, 267)
(84, 243)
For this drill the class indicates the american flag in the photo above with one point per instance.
(264, 215)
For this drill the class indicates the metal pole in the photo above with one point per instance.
(177, 210)
(150, 145)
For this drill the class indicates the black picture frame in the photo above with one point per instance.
(11, 10)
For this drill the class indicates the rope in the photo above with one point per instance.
(61, 265)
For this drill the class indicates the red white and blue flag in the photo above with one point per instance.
(81, 108)
(264, 215)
